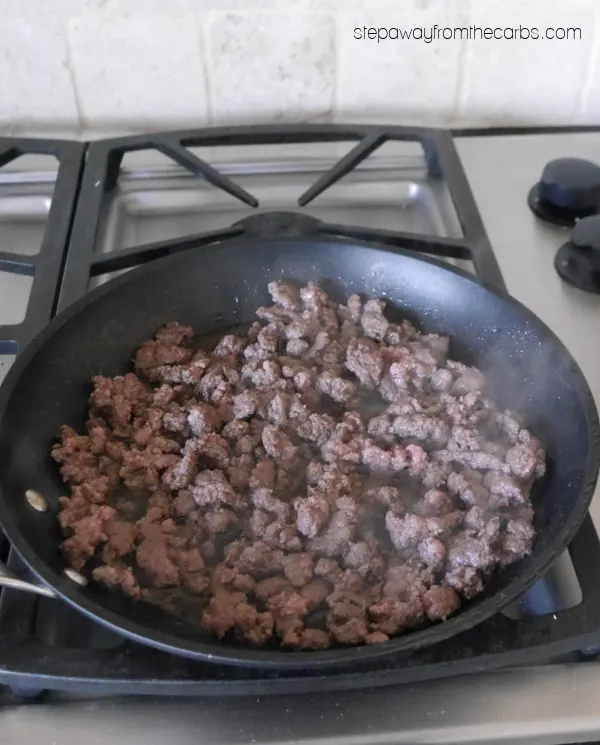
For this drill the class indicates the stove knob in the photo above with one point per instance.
(578, 261)
(571, 184)
(586, 234)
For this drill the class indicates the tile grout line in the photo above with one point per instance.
(337, 70)
(465, 57)
(204, 40)
(593, 56)
(73, 76)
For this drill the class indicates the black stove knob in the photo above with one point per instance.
(586, 234)
(578, 261)
(571, 184)
(569, 189)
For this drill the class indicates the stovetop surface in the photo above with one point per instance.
(156, 200)
(501, 170)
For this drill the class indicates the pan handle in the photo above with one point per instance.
(9, 579)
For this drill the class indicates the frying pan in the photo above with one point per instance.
(219, 287)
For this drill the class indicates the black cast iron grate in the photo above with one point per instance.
(104, 159)
(46, 266)
(44, 644)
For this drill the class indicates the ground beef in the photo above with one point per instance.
(239, 470)
(285, 295)
(298, 568)
(118, 575)
(334, 539)
(517, 541)
(88, 533)
(264, 474)
(181, 474)
(152, 557)
(390, 616)
(213, 452)
(340, 390)
(317, 428)
(278, 444)
(326, 477)
(363, 358)
(231, 611)
(219, 520)
(312, 513)
(263, 499)
(440, 602)
(373, 322)
(184, 503)
(212, 487)
(505, 489)
(229, 345)
(202, 419)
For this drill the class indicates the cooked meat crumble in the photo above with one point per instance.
(329, 477)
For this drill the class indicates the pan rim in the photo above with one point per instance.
(333, 658)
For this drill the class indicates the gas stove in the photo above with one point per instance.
(483, 201)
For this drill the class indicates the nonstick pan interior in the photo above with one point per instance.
(219, 287)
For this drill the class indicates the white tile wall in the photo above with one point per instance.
(270, 66)
(36, 82)
(506, 82)
(96, 67)
(413, 80)
(135, 71)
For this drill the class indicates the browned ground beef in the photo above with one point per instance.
(253, 481)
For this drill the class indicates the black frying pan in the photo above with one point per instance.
(221, 286)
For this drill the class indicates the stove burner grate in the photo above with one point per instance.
(44, 644)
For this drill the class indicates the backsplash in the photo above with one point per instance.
(93, 68)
